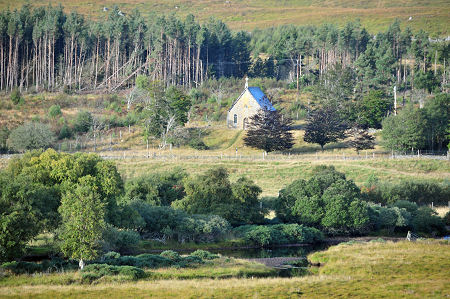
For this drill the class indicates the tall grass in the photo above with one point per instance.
(369, 270)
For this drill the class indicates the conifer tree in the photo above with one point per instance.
(269, 131)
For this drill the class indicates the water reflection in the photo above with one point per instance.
(291, 251)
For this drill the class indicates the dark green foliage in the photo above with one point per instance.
(31, 135)
(168, 223)
(16, 96)
(198, 144)
(171, 255)
(269, 235)
(419, 192)
(361, 140)
(99, 270)
(327, 201)
(53, 265)
(426, 220)
(167, 258)
(269, 131)
(120, 240)
(54, 111)
(324, 126)
(82, 122)
(4, 134)
(403, 215)
(204, 255)
(159, 189)
(390, 219)
(404, 131)
(437, 114)
(65, 132)
(26, 208)
(31, 188)
(213, 193)
(372, 108)
(447, 218)
(426, 80)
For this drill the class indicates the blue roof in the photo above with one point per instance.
(261, 98)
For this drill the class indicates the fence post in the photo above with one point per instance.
(373, 155)
(418, 153)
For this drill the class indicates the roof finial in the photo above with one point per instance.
(246, 82)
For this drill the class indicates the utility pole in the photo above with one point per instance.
(395, 99)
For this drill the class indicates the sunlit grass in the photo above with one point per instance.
(369, 270)
(272, 176)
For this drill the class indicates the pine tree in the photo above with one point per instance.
(269, 131)
(361, 140)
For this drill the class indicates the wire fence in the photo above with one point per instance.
(167, 154)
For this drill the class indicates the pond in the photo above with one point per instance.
(279, 251)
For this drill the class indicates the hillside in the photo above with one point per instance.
(430, 15)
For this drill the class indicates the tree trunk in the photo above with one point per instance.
(81, 264)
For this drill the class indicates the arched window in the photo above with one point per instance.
(235, 119)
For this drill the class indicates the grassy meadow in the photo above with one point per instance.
(272, 176)
(430, 15)
(360, 270)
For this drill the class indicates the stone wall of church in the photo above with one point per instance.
(242, 111)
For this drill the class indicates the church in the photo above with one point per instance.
(246, 105)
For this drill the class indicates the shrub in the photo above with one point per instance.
(22, 267)
(159, 189)
(111, 255)
(4, 134)
(327, 200)
(168, 223)
(171, 255)
(426, 220)
(133, 272)
(119, 240)
(54, 111)
(16, 96)
(447, 218)
(204, 255)
(53, 265)
(198, 144)
(99, 270)
(31, 135)
(82, 122)
(65, 132)
(268, 235)
(213, 193)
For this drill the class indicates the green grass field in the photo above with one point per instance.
(272, 176)
(430, 15)
(367, 270)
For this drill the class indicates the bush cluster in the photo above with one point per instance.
(53, 265)
(168, 258)
(269, 235)
(327, 201)
(155, 222)
(419, 192)
(95, 271)
(204, 255)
